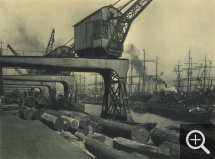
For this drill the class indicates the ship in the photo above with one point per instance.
(194, 100)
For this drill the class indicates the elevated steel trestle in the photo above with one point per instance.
(114, 72)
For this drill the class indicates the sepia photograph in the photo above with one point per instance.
(115, 79)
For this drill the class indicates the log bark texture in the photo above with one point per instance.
(30, 101)
(73, 122)
(26, 113)
(159, 135)
(52, 121)
(102, 138)
(102, 151)
(66, 126)
(73, 114)
(96, 126)
(41, 100)
(37, 113)
(132, 146)
(84, 131)
(115, 129)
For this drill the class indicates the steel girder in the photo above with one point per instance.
(67, 81)
(115, 101)
(42, 88)
(49, 85)
(114, 72)
(22, 87)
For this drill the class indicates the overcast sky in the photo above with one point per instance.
(166, 28)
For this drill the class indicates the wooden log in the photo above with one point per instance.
(96, 126)
(26, 113)
(30, 101)
(99, 137)
(80, 145)
(91, 130)
(102, 151)
(73, 114)
(37, 113)
(82, 122)
(160, 135)
(52, 121)
(84, 131)
(66, 126)
(41, 100)
(53, 112)
(73, 122)
(178, 151)
(132, 146)
(67, 135)
(115, 129)
(49, 101)
(102, 138)
(140, 134)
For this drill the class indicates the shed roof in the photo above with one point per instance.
(92, 14)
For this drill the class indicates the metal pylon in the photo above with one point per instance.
(115, 100)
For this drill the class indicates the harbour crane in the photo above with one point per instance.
(50, 45)
(102, 34)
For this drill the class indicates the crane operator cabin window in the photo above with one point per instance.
(96, 29)
(104, 29)
(100, 29)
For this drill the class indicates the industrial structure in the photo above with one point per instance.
(97, 46)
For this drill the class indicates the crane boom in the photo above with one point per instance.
(29, 71)
(124, 23)
(122, 7)
(51, 43)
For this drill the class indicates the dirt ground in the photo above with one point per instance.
(28, 139)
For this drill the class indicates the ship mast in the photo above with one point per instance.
(144, 71)
(189, 74)
(204, 73)
(156, 85)
(178, 78)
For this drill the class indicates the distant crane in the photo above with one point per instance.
(50, 45)
(29, 71)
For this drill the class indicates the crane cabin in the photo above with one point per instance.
(102, 34)
(93, 34)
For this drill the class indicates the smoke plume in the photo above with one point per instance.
(27, 41)
(133, 54)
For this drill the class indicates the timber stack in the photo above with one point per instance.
(101, 138)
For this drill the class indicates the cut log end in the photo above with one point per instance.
(140, 134)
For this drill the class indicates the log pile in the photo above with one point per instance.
(102, 151)
(101, 138)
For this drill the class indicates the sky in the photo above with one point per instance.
(168, 29)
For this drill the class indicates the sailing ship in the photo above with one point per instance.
(195, 97)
